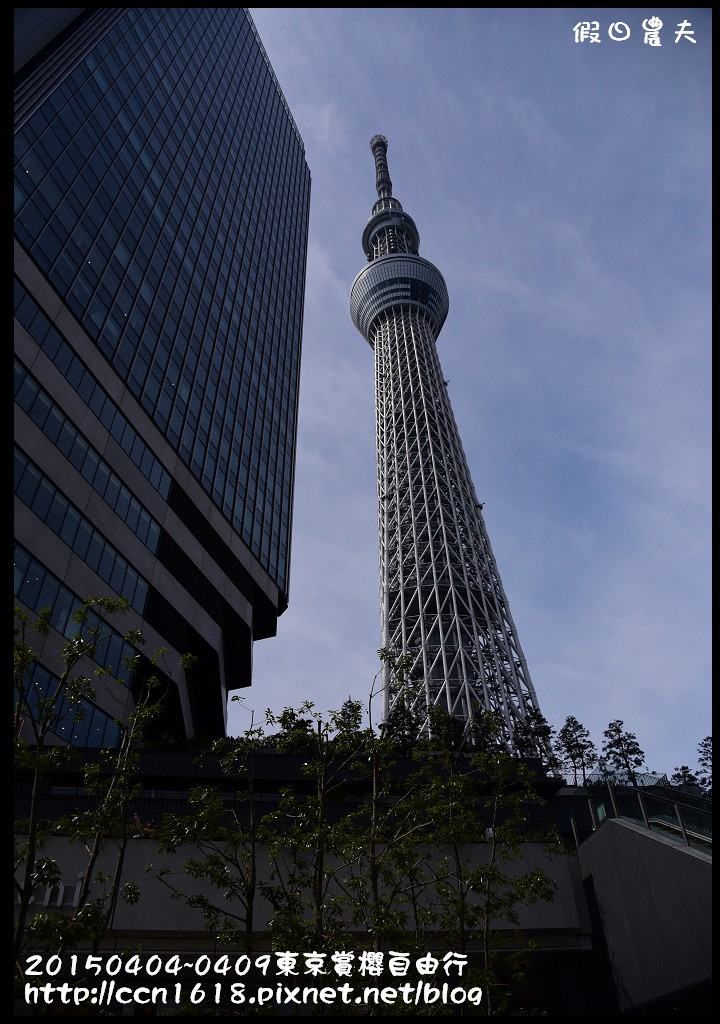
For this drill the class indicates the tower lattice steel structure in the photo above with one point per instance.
(442, 601)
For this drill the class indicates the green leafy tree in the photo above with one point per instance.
(407, 719)
(575, 750)
(109, 779)
(683, 776)
(534, 737)
(385, 882)
(308, 848)
(371, 850)
(705, 764)
(291, 855)
(621, 753)
(226, 842)
(477, 801)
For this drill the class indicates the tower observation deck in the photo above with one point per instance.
(443, 606)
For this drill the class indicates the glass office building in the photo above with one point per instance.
(161, 218)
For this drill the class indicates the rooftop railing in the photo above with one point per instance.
(682, 820)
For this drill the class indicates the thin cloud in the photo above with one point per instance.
(564, 193)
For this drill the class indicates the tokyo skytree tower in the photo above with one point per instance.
(442, 600)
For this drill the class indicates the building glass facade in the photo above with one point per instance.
(161, 216)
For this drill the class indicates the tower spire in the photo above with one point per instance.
(383, 184)
(386, 203)
(442, 601)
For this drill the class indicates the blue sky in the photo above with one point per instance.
(563, 190)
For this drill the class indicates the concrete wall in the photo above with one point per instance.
(566, 920)
(654, 901)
